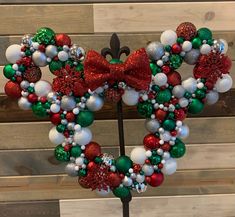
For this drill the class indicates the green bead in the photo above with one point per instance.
(76, 151)
(39, 110)
(163, 96)
(85, 161)
(180, 40)
(169, 124)
(21, 68)
(155, 88)
(30, 89)
(200, 94)
(123, 164)
(55, 65)
(155, 159)
(154, 68)
(177, 106)
(82, 172)
(145, 109)
(62, 116)
(61, 154)
(8, 71)
(13, 79)
(47, 105)
(187, 95)
(210, 42)
(44, 36)
(204, 34)
(115, 61)
(196, 43)
(175, 61)
(98, 160)
(178, 150)
(121, 192)
(171, 115)
(27, 53)
(167, 48)
(85, 118)
(79, 67)
(196, 106)
(60, 128)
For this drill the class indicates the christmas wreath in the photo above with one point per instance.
(147, 79)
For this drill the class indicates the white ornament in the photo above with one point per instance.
(166, 136)
(148, 169)
(140, 178)
(183, 102)
(138, 155)
(224, 84)
(55, 137)
(183, 131)
(190, 84)
(186, 46)
(42, 88)
(55, 108)
(169, 167)
(63, 56)
(94, 103)
(212, 97)
(168, 37)
(178, 91)
(24, 84)
(152, 125)
(160, 79)
(79, 161)
(24, 103)
(83, 137)
(205, 49)
(68, 103)
(13, 53)
(39, 58)
(51, 96)
(51, 51)
(130, 97)
(127, 181)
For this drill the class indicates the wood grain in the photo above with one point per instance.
(21, 19)
(42, 162)
(177, 206)
(145, 17)
(30, 209)
(35, 135)
(99, 41)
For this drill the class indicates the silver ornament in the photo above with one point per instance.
(178, 91)
(51, 51)
(68, 103)
(220, 45)
(52, 96)
(77, 53)
(70, 169)
(94, 103)
(127, 181)
(39, 59)
(148, 169)
(107, 159)
(155, 50)
(152, 125)
(191, 57)
(27, 40)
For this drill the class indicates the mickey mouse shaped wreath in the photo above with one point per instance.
(147, 79)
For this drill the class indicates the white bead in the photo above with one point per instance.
(77, 127)
(183, 102)
(179, 123)
(138, 155)
(24, 84)
(152, 125)
(130, 97)
(35, 45)
(55, 108)
(160, 79)
(130, 170)
(205, 49)
(83, 136)
(168, 37)
(24, 104)
(99, 90)
(160, 63)
(127, 181)
(159, 151)
(166, 155)
(148, 153)
(224, 84)
(166, 136)
(79, 161)
(169, 167)
(186, 46)
(55, 137)
(161, 142)
(13, 53)
(75, 111)
(15, 67)
(63, 56)
(200, 85)
(68, 103)
(145, 97)
(42, 88)
(70, 126)
(190, 84)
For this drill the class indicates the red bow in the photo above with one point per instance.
(135, 71)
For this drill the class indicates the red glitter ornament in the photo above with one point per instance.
(26, 61)
(12, 89)
(62, 39)
(55, 119)
(70, 116)
(156, 179)
(174, 78)
(114, 180)
(151, 142)
(186, 30)
(92, 150)
(160, 114)
(32, 74)
(180, 114)
(112, 95)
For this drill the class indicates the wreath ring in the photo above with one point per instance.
(147, 79)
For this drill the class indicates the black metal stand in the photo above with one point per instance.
(115, 52)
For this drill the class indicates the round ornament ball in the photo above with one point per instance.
(55, 119)
(151, 142)
(190, 85)
(8, 71)
(32, 74)
(51, 51)
(121, 192)
(155, 50)
(103, 192)
(24, 104)
(178, 150)
(168, 37)
(12, 89)
(39, 58)
(77, 53)
(62, 39)
(138, 155)
(63, 56)
(187, 46)
(68, 103)
(145, 109)
(224, 84)
(94, 103)
(42, 88)
(204, 34)
(130, 97)
(13, 53)
(169, 167)
(70, 170)
(44, 35)
(61, 154)
(123, 164)
(212, 97)
(178, 91)
(183, 131)
(152, 125)
(83, 137)
(160, 79)
(186, 31)
(127, 181)
(192, 56)
(140, 178)
(174, 78)
(195, 106)
(55, 108)
(163, 96)
(114, 179)
(205, 49)
(223, 46)
(156, 179)
(148, 169)
(92, 150)
(76, 151)
(169, 125)
(55, 137)
(183, 102)
(85, 118)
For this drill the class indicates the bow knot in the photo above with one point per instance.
(117, 71)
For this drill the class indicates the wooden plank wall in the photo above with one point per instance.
(33, 183)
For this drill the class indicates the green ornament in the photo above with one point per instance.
(187, 95)
(200, 94)
(85, 118)
(196, 106)
(123, 164)
(76, 151)
(175, 61)
(167, 48)
(210, 42)
(27, 53)
(98, 160)
(155, 159)
(204, 34)
(155, 88)
(196, 43)
(79, 67)
(39, 110)
(154, 68)
(21, 68)
(178, 150)
(8, 71)
(169, 124)
(60, 128)
(44, 36)
(180, 40)
(121, 192)
(55, 65)
(30, 89)
(82, 172)
(171, 115)
(47, 105)
(145, 109)
(163, 96)
(61, 154)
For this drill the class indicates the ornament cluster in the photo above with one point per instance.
(70, 102)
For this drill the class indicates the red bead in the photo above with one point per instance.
(148, 179)
(160, 114)
(12, 89)
(56, 58)
(43, 99)
(180, 114)
(32, 98)
(151, 95)
(19, 79)
(156, 179)
(174, 78)
(174, 133)
(67, 147)
(160, 166)
(66, 133)
(136, 168)
(166, 147)
(176, 48)
(114, 179)
(70, 117)
(55, 119)
(151, 142)
(147, 161)
(23, 49)
(166, 69)
(121, 176)
(92, 150)
(62, 39)
(41, 48)
(91, 165)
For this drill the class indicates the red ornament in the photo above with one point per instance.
(176, 48)
(151, 142)
(114, 180)
(55, 119)
(19, 79)
(42, 48)
(67, 147)
(66, 134)
(166, 69)
(174, 78)
(174, 133)
(12, 89)
(160, 114)
(32, 98)
(70, 116)
(136, 168)
(92, 150)
(156, 179)
(112, 95)
(43, 99)
(180, 114)
(160, 166)
(209, 85)
(166, 146)
(186, 30)
(32, 74)
(91, 165)
(62, 39)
